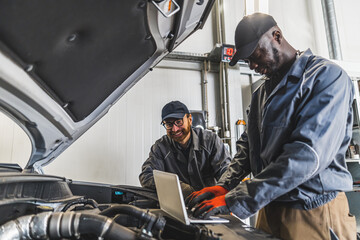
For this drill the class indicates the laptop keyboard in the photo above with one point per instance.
(190, 215)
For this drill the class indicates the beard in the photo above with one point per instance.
(274, 70)
(185, 132)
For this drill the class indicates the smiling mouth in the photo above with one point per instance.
(178, 134)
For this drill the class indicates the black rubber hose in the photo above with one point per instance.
(126, 209)
(70, 224)
(127, 220)
(95, 224)
(141, 214)
(91, 202)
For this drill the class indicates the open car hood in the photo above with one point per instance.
(64, 63)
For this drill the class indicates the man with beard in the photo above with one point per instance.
(197, 156)
(299, 128)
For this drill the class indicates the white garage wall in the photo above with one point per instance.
(115, 148)
(347, 13)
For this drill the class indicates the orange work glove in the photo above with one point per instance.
(203, 194)
(211, 207)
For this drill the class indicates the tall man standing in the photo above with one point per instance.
(299, 127)
(197, 156)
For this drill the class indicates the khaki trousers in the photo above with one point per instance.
(290, 223)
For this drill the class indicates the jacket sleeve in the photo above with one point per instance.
(154, 161)
(321, 124)
(220, 158)
(239, 166)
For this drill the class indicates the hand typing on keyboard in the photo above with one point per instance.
(211, 207)
(191, 214)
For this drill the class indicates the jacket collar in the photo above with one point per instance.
(299, 65)
(195, 139)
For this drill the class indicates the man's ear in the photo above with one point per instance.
(277, 36)
(190, 118)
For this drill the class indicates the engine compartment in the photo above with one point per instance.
(36, 206)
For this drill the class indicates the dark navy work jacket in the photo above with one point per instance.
(295, 141)
(207, 161)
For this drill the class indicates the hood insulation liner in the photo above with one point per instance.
(78, 51)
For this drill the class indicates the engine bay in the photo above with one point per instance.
(36, 206)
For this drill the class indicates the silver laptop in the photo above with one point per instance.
(171, 199)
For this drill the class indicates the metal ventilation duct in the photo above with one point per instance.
(332, 33)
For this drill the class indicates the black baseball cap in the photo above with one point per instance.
(248, 33)
(174, 109)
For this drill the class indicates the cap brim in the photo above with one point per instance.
(234, 59)
(244, 52)
(174, 115)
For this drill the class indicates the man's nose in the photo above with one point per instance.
(175, 128)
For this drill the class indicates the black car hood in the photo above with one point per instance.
(65, 63)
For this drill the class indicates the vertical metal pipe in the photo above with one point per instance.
(223, 73)
(225, 79)
(221, 80)
(332, 33)
(218, 24)
(219, 40)
(204, 92)
(225, 83)
(222, 21)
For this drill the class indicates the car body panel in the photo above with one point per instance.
(63, 64)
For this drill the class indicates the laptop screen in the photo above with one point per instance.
(171, 199)
(170, 195)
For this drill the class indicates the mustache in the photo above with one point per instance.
(173, 133)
